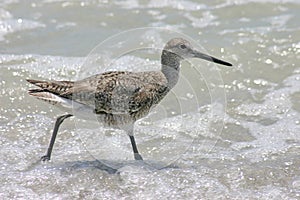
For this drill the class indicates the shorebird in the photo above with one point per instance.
(118, 98)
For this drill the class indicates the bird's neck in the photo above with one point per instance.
(170, 67)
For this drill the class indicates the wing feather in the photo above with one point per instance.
(112, 92)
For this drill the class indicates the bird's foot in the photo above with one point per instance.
(137, 156)
(45, 158)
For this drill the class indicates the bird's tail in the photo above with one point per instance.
(56, 87)
(50, 91)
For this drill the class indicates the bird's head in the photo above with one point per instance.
(183, 49)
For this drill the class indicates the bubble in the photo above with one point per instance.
(268, 61)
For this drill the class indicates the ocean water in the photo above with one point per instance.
(222, 133)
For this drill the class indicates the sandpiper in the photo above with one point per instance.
(118, 98)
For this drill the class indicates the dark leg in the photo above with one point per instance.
(58, 122)
(137, 156)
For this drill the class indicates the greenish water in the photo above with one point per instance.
(228, 133)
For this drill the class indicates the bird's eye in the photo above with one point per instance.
(182, 46)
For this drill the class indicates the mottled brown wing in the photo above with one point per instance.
(129, 93)
(111, 92)
(85, 91)
(147, 96)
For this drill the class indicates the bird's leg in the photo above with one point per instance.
(58, 122)
(137, 156)
(129, 130)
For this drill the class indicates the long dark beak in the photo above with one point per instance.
(203, 56)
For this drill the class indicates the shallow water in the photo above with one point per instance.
(192, 149)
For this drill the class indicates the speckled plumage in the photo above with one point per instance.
(118, 98)
(122, 97)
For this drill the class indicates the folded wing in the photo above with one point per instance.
(110, 92)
